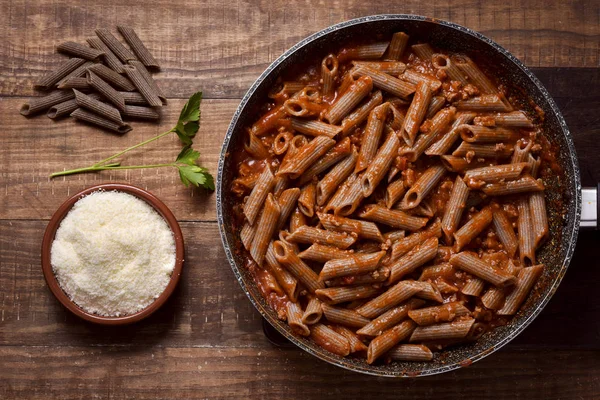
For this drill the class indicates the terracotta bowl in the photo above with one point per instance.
(50, 233)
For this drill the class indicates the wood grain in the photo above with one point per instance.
(223, 46)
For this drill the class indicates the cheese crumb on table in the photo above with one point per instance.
(113, 254)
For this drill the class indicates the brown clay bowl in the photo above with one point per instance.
(50, 233)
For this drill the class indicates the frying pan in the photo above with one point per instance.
(564, 193)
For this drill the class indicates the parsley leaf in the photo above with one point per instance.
(197, 176)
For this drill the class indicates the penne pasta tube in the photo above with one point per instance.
(380, 164)
(336, 295)
(355, 344)
(330, 340)
(534, 165)
(344, 316)
(361, 113)
(286, 90)
(297, 220)
(505, 232)
(80, 51)
(444, 63)
(347, 199)
(287, 202)
(458, 164)
(52, 78)
(412, 260)
(281, 142)
(333, 180)
(310, 235)
(379, 275)
(436, 314)
(286, 256)
(494, 173)
(140, 112)
(393, 296)
(484, 103)
(247, 234)
(285, 279)
(403, 246)
(474, 74)
(452, 330)
(539, 219)
(389, 67)
(294, 317)
(397, 45)
(281, 183)
(315, 128)
(255, 147)
(331, 158)
(96, 106)
(115, 45)
(415, 78)
(268, 121)
(422, 187)
(265, 229)
(416, 113)
(307, 200)
(99, 120)
(393, 218)
(498, 150)
(397, 120)
(473, 287)
(436, 271)
(525, 228)
(521, 151)
(514, 119)
(470, 263)
(410, 352)
(357, 91)
(146, 89)
(483, 134)
(134, 98)
(428, 291)
(436, 104)
(423, 51)
(454, 209)
(138, 47)
(304, 107)
(356, 264)
(493, 298)
(385, 82)
(388, 339)
(445, 143)
(322, 253)
(473, 228)
(526, 279)
(364, 229)
(313, 312)
(388, 319)
(365, 51)
(521, 185)
(394, 192)
(112, 77)
(109, 58)
(36, 105)
(259, 193)
(439, 124)
(371, 136)
(329, 71)
(74, 83)
(305, 157)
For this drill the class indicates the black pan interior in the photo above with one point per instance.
(564, 221)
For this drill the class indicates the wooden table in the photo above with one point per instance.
(207, 341)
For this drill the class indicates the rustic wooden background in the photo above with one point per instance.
(207, 341)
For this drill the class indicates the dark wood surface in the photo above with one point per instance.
(207, 341)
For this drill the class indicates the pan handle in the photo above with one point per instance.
(590, 209)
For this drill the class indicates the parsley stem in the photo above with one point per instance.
(109, 167)
(100, 163)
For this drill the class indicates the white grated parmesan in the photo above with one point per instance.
(113, 254)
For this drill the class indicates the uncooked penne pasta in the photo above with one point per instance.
(344, 316)
(371, 136)
(97, 107)
(380, 164)
(261, 190)
(393, 296)
(422, 187)
(388, 319)
(336, 295)
(388, 339)
(521, 185)
(265, 229)
(80, 51)
(412, 260)
(539, 219)
(52, 78)
(440, 122)
(525, 281)
(140, 112)
(105, 90)
(285, 255)
(472, 228)
(134, 98)
(393, 218)
(79, 83)
(364, 229)
(306, 156)
(323, 253)
(454, 209)
(385, 82)
(110, 58)
(143, 86)
(470, 263)
(416, 113)
(310, 235)
(294, 317)
(445, 143)
(36, 105)
(410, 352)
(138, 47)
(114, 45)
(330, 340)
(357, 264)
(403, 246)
(436, 314)
(112, 77)
(349, 100)
(93, 118)
(313, 312)
(483, 134)
(525, 228)
(453, 330)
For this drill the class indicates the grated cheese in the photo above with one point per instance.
(113, 254)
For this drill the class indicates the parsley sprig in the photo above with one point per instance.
(186, 162)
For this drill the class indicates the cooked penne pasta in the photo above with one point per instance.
(285, 279)
(521, 185)
(313, 312)
(379, 275)
(445, 143)
(307, 199)
(371, 136)
(315, 128)
(440, 122)
(416, 113)
(493, 298)
(261, 190)
(525, 228)
(444, 63)
(330, 340)
(365, 52)
(388, 339)
(380, 164)
(343, 316)
(364, 229)
(331, 158)
(410, 352)
(287, 202)
(310, 235)
(265, 229)
(397, 45)
(458, 164)
(434, 271)
(360, 114)
(474, 74)
(473, 287)
(470, 263)
(454, 209)
(294, 317)
(394, 192)
(285, 255)
(357, 264)
(484, 103)
(349, 100)
(514, 119)
(422, 187)
(336, 295)
(415, 78)
(436, 104)
(494, 173)
(393, 296)
(483, 134)
(403, 246)
(388, 319)
(416, 257)
(505, 232)
(355, 344)
(525, 281)
(322, 253)
(305, 157)
(385, 82)
(453, 330)
(539, 219)
(434, 315)
(394, 68)
(335, 177)
(423, 51)
(498, 150)
(473, 228)
(393, 218)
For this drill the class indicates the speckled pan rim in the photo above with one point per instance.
(50, 233)
(570, 239)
